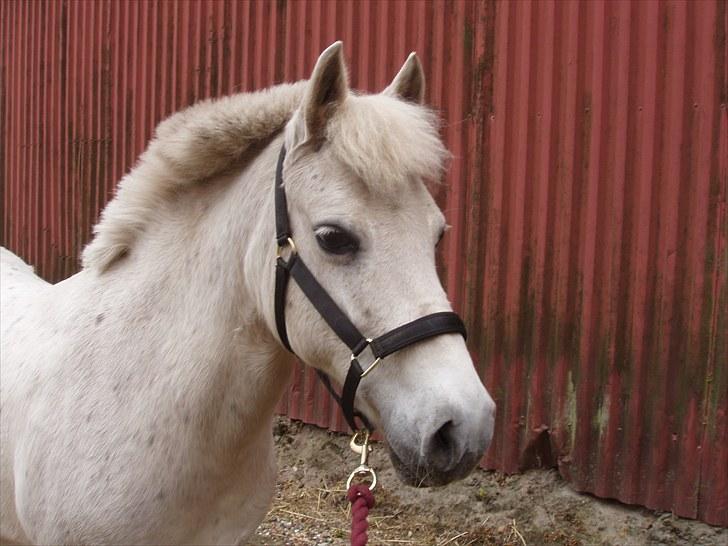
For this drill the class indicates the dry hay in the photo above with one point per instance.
(487, 508)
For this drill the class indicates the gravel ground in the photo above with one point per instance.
(487, 508)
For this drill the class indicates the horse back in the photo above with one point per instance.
(15, 274)
(18, 282)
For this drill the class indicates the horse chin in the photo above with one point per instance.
(418, 475)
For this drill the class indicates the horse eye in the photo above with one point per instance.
(336, 240)
(439, 237)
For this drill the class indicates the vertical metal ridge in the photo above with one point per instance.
(670, 330)
(644, 130)
(5, 17)
(714, 501)
(542, 78)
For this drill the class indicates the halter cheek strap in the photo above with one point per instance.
(403, 336)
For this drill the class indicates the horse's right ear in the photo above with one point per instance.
(327, 90)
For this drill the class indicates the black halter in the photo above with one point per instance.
(386, 344)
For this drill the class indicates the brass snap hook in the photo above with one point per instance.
(362, 471)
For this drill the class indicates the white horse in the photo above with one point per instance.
(138, 395)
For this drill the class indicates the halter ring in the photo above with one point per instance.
(371, 366)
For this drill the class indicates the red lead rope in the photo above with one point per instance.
(361, 500)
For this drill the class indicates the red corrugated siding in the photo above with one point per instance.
(587, 195)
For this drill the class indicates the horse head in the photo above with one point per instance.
(355, 174)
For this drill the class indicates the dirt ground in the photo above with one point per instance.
(486, 508)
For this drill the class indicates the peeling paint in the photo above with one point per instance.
(601, 417)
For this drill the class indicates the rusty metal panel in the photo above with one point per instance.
(600, 226)
(587, 195)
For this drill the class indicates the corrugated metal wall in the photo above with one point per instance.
(587, 195)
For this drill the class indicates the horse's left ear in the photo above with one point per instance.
(409, 83)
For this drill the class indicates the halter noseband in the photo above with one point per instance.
(419, 329)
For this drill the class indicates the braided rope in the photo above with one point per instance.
(361, 500)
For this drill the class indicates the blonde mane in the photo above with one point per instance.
(384, 140)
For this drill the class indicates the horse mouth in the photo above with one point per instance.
(418, 474)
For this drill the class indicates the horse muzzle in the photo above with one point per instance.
(447, 451)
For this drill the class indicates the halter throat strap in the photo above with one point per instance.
(363, 350)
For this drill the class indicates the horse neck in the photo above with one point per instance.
(203, 273)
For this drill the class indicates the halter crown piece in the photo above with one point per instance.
(403, 336)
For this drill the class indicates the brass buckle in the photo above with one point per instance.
(288, 244)
(371, 366)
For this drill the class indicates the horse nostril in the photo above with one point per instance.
(442, 436)
(441, 453)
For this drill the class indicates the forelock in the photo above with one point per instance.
(386, 141)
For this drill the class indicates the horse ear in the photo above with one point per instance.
(409, 83)
(327, 89)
